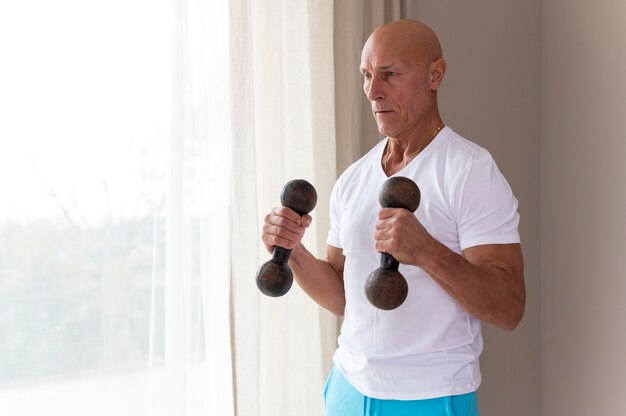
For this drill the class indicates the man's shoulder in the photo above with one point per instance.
(458, 147)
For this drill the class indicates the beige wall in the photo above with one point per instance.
(583, 221)
(491, 94)
(542, 84)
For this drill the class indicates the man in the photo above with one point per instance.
(459, 251)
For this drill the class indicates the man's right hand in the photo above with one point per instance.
(283, 227)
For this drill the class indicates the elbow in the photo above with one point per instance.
(511, 324)
(336, 304)
(338, 310)
(514, 316)
(515, 312)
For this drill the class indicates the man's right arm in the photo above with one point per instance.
(322, 280)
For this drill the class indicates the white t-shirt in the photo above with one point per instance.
(429, 346)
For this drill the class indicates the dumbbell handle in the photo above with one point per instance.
(280, 254)
(387, 261)
(385, 287)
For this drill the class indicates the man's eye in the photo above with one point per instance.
(389, 74)
(366, 75)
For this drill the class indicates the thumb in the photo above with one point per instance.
(306, 220)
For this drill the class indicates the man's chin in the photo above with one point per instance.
(385, 132)
(382, 129)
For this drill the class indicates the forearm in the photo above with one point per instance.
(319, 279)
(491, 291)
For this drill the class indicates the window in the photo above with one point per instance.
(86, 155)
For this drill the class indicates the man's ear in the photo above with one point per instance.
(437, 71)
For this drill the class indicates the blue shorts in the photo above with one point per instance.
(341, 399)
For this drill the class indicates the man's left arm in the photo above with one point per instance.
(487, 280)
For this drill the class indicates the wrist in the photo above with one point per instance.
(434, 256)
(298, 255)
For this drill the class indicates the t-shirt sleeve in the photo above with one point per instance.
(334, 235)
(484, 205)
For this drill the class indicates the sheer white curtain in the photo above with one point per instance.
(114, 221)
(141, 143)
(197, 272)
(283, 122)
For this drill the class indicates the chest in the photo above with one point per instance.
(359, 209)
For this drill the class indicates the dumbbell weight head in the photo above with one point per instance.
(386, 288)
(275, 278)
(399, 192)
(299, 195)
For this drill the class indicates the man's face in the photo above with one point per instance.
(396, 81)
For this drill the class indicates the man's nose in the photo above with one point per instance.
(375, 89)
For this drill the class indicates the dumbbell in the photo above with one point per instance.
(385, 287)
(275, 278)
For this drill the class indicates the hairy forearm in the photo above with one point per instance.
(319, 279)
(490, 291)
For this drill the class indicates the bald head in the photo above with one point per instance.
(407, 37)
(402, 68)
